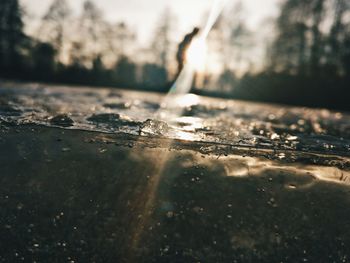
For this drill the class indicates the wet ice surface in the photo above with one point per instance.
(104, 175)
(194, 118)
(77, 196)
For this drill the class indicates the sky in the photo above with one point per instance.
(142, 15)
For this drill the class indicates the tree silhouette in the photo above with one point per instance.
(301, 46)
(238, 39)
(317, 15)
(226, 81)
(125, 72)
(162, 44)
(12, 38)
(43, 57)
(339, 35)
(54, 26)
(124, 36)
(231, 41)
(289, 51)
(308, 63)
(154, 76)
(90, 27)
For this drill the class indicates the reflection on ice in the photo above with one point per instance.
(188, 123)
(187, 136)
(249, 166)
(186, 100)
(174, 105)
(154, 127)
(212, 120)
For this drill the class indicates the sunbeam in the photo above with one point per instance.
(196, 54)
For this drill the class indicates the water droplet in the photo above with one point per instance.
(198, 209)
(102, 150)
(170, 214)
(274, 136)
(65, 149)
(338, 115)
(292, 138)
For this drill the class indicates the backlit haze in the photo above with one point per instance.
(143, 15)
(143, 18)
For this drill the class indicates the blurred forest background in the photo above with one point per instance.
(306, 52)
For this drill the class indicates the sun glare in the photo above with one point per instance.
(196, 54)
(187, 100)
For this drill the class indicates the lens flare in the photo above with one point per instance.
(215, 11)
(196, 54)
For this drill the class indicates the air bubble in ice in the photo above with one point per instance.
(154, 127)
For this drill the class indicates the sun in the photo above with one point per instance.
(196, 54)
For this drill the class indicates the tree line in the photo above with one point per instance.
(306, 61)
(78, 50)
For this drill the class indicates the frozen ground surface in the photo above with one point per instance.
(196, 118)
(106, 175)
